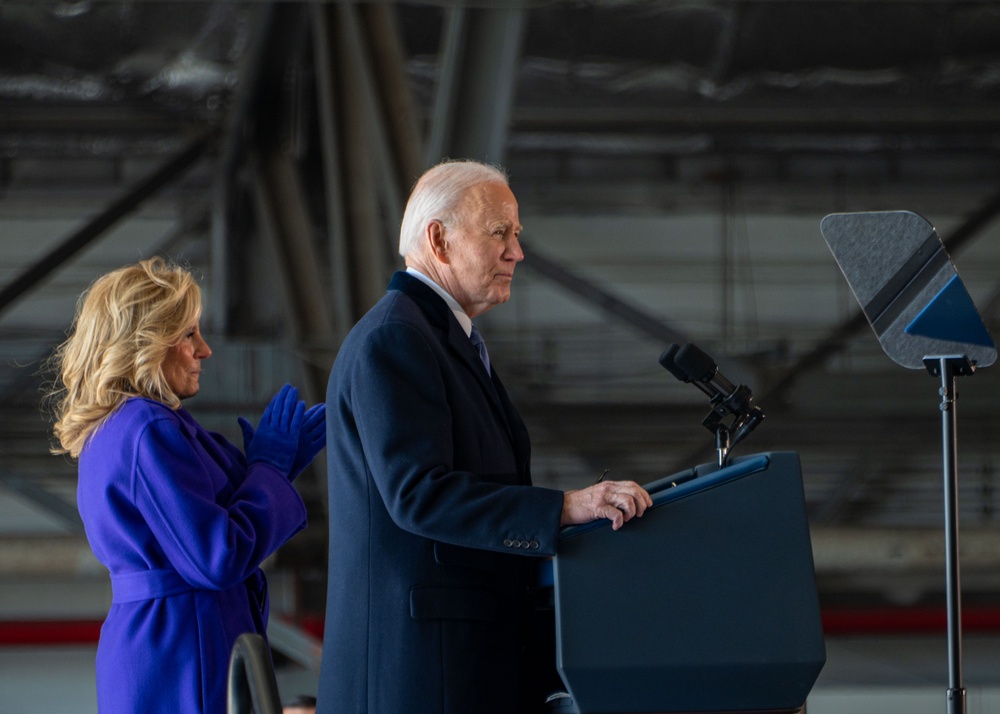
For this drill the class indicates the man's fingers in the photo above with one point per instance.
(616, 517)
(625, 504)
(628, 498)
(618, 501)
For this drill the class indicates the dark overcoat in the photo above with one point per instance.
(432, 519)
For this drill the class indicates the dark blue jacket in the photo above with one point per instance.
(432, 513)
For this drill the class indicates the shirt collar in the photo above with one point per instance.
(464, 320)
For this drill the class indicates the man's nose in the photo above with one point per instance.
(514, 251)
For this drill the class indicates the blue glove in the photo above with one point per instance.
(276, 439)
(312, 437)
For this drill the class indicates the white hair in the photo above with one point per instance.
(436, 196)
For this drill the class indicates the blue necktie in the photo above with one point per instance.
(477, 340)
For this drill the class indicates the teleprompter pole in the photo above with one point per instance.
(948, 368)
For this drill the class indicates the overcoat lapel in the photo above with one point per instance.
(456, 341)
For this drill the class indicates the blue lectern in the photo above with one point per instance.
(705, 604)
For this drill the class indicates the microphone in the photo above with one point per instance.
(669, 363)
(690, 364)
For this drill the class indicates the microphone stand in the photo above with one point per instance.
(722, 444)
(948, 368)
(726, 437)
(690, 364)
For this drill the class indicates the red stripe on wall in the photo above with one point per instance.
(49, 632)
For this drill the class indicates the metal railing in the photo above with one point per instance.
(252, 686)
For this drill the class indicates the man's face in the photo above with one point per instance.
(483, 248)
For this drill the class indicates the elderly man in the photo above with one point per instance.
(435, 528)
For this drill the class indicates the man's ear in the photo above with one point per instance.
(434, 234)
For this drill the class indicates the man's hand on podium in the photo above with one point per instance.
(618, 501)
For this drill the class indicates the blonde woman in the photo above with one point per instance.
(181, 518)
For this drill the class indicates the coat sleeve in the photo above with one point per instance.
(213, 535)
(405, 410)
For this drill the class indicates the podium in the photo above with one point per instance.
(707, 603)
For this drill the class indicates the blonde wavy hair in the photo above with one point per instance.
(125, 323)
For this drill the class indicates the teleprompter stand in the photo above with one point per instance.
(948, 368)
(921, 313)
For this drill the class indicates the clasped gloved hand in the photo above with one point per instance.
(276, 440)
(312, 438)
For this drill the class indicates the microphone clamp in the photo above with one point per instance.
(690, 364)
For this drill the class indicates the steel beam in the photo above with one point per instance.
(361, 175)
(232, 156)
(477, 80)
(77, 241)
(602, 299)
(283, 220)
(52, 503)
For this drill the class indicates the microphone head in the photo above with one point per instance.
(696, 364)
(668, 362)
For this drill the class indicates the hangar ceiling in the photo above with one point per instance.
(672, 161)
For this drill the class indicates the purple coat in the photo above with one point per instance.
(182, 524)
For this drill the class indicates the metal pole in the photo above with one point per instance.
(956, 692)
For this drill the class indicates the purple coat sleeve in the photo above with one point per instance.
(212, 543)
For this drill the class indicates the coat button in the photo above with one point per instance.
(534, 545)
(515, 544)
(507, 542)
